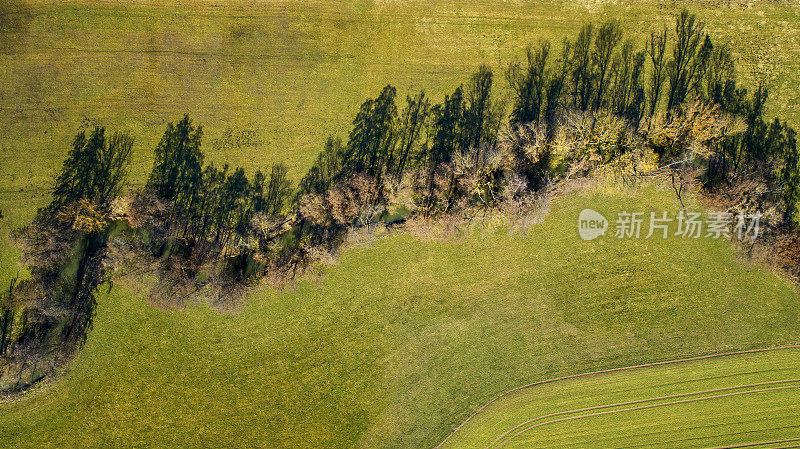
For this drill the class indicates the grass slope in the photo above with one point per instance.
(403, 339)
(725, 401)
(295, 72)
(288, 74)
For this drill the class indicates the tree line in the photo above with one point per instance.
(598, 101)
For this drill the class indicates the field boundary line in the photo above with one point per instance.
(606, 371)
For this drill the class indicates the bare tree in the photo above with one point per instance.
(690, 57)
(657, 45)
(608, 37)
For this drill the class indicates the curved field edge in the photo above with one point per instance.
(399, 341)
(665, 405)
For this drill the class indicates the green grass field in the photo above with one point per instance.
(295, 72)
(291, 73)
(725, 401)
(403, 339)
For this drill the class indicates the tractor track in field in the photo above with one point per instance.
(763, 443)
(645, 407)
(638, 401)
(683, 440)
(606, 371)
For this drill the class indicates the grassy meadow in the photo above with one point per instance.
(396, 344)
(288, 74)
(270, 80)
(400, 341)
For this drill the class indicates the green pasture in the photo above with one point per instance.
(404, 338)
(270, 80)
(288, 74)
(401, 340)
